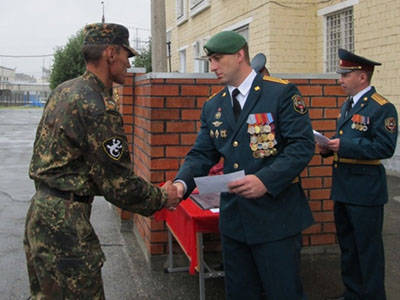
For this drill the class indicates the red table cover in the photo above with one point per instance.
(185, 222)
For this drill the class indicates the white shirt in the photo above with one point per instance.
(357, 96)
(244, 88)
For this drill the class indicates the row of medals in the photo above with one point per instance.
(359, 126)
(262, 140)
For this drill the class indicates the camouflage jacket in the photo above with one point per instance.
(81, 146)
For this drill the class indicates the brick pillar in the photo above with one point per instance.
(162, 113)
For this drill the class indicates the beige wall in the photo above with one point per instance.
(292, 34)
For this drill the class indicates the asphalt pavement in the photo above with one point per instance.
(126, 273)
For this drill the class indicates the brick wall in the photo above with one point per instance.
(161, 113)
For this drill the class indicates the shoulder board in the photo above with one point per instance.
(379, 98)
(274, 79)
(213, 95)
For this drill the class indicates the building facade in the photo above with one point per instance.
(297, 36)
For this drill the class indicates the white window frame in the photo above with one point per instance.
(182, 59)
(181, 12)
(239, 26)
(197, 6)
(200, 62)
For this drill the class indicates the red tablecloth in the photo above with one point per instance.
(184, 222)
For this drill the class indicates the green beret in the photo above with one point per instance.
(107, 34)
(225, 42)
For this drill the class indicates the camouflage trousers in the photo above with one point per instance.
(63, 252)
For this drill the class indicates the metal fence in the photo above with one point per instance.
(12, 98)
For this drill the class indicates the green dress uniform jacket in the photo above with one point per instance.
(283, 211)
(367, 134)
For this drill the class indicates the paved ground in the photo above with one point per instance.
(126, 274)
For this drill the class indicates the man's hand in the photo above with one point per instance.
(249, 187)
(173, 198)
(180, 189)
(323, 149)
(334, 145)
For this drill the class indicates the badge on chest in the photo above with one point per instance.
(216, 131)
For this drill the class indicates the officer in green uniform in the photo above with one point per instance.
(81, 151)
(263, 129)
(366, 132)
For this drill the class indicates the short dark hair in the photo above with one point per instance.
(92, 53)
(246, 52)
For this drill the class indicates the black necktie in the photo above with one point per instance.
(349, 106)
(236, 105)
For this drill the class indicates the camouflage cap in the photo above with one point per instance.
(107, 34)
(225, 42)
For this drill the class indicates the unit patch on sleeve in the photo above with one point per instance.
(113, 147)
(298, 104)
(390, 124)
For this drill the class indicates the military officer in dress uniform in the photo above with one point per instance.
(259, 125)
(81, 151)
(366, 132)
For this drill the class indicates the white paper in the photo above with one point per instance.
(217, 183)
(320, 139)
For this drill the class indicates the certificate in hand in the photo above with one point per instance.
(320, 139)
(216, 183)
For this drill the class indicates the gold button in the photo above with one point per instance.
(235, 165)
(335, 165)
(235, 144)
(341, 132)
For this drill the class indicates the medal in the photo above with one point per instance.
(253, 139)
(253, 146)
(257, 129)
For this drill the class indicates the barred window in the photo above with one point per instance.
(339, 34)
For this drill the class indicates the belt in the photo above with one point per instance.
(356, 161)
(67, 195)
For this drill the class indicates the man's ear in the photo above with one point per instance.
(109, 54)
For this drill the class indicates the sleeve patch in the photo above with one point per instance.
(390, 124)
(113, 147)
(380, 99)
(298, 104)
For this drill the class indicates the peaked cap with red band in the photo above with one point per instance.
(350, 62)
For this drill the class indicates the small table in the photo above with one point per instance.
(187, 224)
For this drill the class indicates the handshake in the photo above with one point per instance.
(175, 193)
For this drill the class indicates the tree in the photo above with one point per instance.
(68, 61)
(144, 59)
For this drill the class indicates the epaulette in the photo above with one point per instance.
(379, 98)
(274, 79)
(213, 95)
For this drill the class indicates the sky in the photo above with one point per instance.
(38, 27)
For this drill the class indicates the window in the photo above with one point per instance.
(181, 15)
(200, 63)
(339, 34)
(197, 6)
(243, 31)
(182, 61)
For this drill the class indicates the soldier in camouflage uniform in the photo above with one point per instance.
(81, 151)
